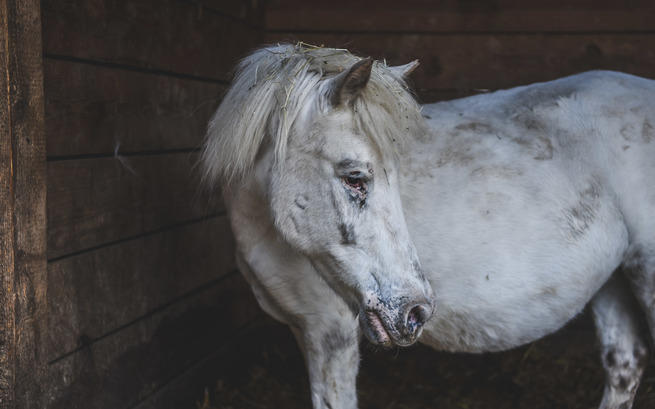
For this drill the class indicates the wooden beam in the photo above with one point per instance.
(22, 206)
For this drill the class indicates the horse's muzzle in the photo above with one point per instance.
(400, 326)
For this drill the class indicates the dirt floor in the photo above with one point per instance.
(561, 371)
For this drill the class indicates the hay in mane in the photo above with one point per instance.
(270, 88)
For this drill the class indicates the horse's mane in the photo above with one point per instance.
(270, 88)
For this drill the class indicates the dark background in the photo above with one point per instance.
(144, 306)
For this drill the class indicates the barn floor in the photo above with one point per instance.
(561, 371)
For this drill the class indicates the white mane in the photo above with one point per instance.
(270, 88)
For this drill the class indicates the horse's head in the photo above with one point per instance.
(334, 193)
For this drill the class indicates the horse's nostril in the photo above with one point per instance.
(417, 317)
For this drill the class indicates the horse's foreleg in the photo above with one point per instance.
(623, 343)
(325, 328)
(331, 350)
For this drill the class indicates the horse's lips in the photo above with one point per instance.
(375, 325)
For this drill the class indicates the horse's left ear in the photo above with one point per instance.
(403, 71)
(346, 86)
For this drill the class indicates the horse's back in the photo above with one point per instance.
(597, 123)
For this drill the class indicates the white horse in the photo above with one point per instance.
(474, 225)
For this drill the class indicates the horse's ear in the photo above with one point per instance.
(403, 71)
(346, 86)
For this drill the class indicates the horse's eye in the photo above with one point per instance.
(355, 183)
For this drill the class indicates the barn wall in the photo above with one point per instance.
(143, 293)
(470, 46)
(142, 286)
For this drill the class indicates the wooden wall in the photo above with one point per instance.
(469, 46)
(142, 286)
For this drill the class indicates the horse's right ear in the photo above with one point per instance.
(346, 86)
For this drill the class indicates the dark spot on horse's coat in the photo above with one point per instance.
(610, 358)
(455, 155)
(582, 215)
(496, 171)
(336, 340)
(623, 382)
(549, 291)
(347, 234)
(326, 403)
(545, 148)
(475, 127)
(628, 132)
(647, 131)
(631, 132)
(539, 95)
(641, 355)
(301, 202)
(532, 123)
(541, 147)
(626, 147)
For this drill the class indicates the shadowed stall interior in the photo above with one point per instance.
(143, 291)
(137, 303)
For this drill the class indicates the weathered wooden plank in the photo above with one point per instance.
(472, 5)
(99, 200)
(485, 61)
(165, 35)
(96, 292)
(92, 109)
(7, 314)
(120, 370)
(428, 20)
(22, 206)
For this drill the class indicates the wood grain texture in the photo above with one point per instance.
(126, 368)
(486, 61)
(101, 200)
(7, 314)
(22, 206)
(92, 109)
(168, 35)
(92, 294)
(408, 19)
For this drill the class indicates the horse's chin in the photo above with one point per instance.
(374, 330)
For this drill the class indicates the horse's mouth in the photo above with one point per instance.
(374, 329)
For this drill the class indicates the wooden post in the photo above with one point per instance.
(22, 206)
